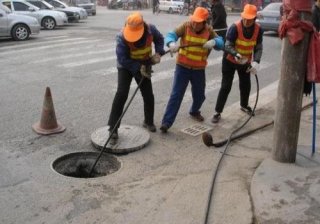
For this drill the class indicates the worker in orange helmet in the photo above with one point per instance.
(244, 46)
(134, 61)
(190, 64)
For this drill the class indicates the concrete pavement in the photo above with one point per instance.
(289, 193)
(166, 182)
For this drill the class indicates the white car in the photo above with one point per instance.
(48, 19)
(18, 27)
(171, 6)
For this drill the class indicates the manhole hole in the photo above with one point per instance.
(196, 129)
(79, 165)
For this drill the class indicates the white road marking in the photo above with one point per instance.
(27, 50)
(30, 44)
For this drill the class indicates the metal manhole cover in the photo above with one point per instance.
(196, 129)
(131, 138)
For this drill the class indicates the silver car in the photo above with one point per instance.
(63, 6)
(88, 5)
(269, 18)
(48, 19)
(73, 14)
(18, 27)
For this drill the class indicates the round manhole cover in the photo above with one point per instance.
(80, 164)
(131, 138)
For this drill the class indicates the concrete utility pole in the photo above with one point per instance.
(290, 93)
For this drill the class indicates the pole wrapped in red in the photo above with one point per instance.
(291, 25)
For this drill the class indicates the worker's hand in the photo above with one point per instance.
(173, 47)
(254, 67)
(155, 59)
(145, 72)
(209, 44)
(240, 59)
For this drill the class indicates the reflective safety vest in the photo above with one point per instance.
(141, 53)
(193, 57)
(243, 45)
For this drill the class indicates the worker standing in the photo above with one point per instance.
(316, 15)
(134, 60)
(190, 64)
(219, 18)
(244, 47)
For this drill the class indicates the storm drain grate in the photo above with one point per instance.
(195, 130)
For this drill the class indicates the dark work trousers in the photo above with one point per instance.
(124, 81)
(228, 70)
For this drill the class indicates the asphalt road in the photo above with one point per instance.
(78, 63)
(166, 182)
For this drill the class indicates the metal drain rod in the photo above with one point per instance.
(115, 126)
(119, 120)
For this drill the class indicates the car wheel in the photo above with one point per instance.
(170, 10)
(94, 13)
(48, 23)
(20, 32)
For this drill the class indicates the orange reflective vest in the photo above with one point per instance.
(243, 45)
(193, 57)
(141, 53)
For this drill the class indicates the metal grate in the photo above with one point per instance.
(195, 130)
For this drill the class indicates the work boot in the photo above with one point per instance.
(114, 138)
(216, 118)
(164, 128)
(197, 117)
(150, 127)
(247, 110)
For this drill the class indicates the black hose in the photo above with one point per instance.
(224, 152)
(223, 142)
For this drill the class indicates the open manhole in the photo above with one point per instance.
(79, 165)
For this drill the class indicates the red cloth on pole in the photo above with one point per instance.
(291, 25)
(299, 5)
(313, 63)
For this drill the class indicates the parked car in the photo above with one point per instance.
(58, 5)
(171, 6)
(72, 14)
(115, 4)
(88, 5)
(18, 27)
(48, 19)
(269, 18)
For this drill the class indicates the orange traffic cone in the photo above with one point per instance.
(48, 124)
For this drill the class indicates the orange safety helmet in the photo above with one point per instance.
(249, 12)
(200, 14)
(134, 27)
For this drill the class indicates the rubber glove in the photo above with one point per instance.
(173, 47)
(240, 59)
(146, 73)
(155, 59)
(209, 44)
(254, 68)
